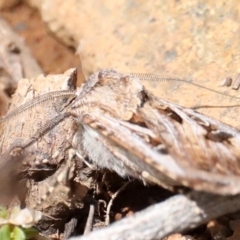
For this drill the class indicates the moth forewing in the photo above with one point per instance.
(135, 150)
(210, 163)
(192, 156)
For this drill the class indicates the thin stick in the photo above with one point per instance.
(89, 223)
(176, 214)
(107, 220)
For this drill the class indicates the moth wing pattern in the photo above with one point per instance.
(205, 148)
(188, 149)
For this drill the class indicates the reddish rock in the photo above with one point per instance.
(187, 39)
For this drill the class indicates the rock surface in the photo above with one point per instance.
(8, 3)
(193, 40)
(16, 62)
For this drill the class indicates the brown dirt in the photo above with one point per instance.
(52, 56)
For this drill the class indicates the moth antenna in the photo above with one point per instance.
(36, 101)
(45, 128)
(162, 78)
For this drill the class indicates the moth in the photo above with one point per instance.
(121, 126)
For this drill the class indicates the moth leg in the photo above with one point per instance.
(46, 127)
(83, 159)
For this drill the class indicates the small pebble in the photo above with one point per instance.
(227, 82)
(236, 83)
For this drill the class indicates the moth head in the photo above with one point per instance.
(111, 92)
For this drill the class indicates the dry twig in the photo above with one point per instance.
(176, 214)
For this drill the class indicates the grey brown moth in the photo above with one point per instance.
(123, 127)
